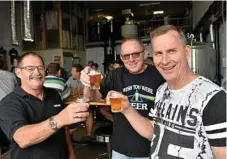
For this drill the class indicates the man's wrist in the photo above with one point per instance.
(126, 109)
(60, 123)
(53, 124)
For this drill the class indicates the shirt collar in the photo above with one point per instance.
(19, 91)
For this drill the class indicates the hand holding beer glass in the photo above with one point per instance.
(118, 101)
(95, 79)
(76, 111)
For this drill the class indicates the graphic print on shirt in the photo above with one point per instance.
(178, 129)
(139, 96)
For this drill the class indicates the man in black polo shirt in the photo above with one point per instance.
(33, 117)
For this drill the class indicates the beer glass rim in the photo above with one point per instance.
(82, 100)
(115, 94)
(96, 72)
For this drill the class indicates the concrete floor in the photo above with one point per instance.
(89, 150)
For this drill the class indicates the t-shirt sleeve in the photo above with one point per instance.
(12, 116)
(214, 119)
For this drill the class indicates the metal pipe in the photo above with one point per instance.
(201, 37)
(212, 36)
(28, 21)
(111, 26)
(218, 57)
(193, 60)
(13, 24)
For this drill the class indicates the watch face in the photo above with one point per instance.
(53, 124)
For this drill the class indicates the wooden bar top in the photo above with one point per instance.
(101, 102)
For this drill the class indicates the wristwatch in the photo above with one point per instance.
(53, 124)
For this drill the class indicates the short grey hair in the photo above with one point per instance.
(165, 28)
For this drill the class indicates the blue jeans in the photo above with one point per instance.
(116, 155)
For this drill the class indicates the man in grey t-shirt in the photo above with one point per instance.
(74, 80)
(7, 82)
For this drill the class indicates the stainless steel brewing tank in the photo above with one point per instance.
(203, 60)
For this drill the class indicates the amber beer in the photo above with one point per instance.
(116, 102)
(95, 78)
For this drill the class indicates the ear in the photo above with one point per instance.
(145, 54)
(188, 51)
(121, 58)
(18, 72)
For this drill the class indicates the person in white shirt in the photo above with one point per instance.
(188, 120)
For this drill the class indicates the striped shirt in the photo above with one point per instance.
(58, 84)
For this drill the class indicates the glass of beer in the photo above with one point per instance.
(72, 92)
(95, 78)
(82, 100)
(116, 101)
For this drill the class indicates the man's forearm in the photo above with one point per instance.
(33, 134)
(141, 124)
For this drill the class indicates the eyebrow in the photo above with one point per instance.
(133, 52)
(157, 51)
(172, 49)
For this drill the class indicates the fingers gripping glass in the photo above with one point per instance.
(134, 55)
(32, 68)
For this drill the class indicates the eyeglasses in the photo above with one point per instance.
(134, 55)
(32, 68)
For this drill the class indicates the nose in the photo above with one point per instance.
(165, 59)
(131, 58)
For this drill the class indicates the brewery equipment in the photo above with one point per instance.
(203, 60)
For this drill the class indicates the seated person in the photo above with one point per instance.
(95, 66)
(15, 65)
(54, 80)
(73, 83)
(117, 64)
(64, 74)
(74, 80)
(149, 61)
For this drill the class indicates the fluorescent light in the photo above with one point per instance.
(149, 4)
(97, 10)
(108, 17)
(158, 12)
(126, 11)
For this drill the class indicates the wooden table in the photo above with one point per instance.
(95, 103)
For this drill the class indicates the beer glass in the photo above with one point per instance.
(72, 92)
(82, 100)
(81, 92)
(95, 79)
(116, 101)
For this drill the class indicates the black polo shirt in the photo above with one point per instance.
(19, 109)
